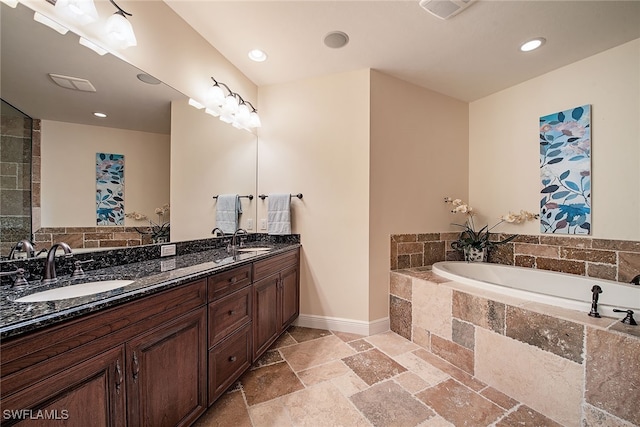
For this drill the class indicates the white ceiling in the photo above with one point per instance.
(469, 56)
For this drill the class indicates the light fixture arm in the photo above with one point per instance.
(251, 105)
(120, 10)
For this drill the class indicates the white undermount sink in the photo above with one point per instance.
(73, 291)
(254, 249)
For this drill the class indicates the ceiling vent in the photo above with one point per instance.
(74, 83)
(445, 9)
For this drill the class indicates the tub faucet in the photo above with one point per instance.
(595, 294)
(49, 272)
(628, 319)
(635, 280)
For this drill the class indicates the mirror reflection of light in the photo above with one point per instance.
(10, 3)
(94, 47)
(38, 17)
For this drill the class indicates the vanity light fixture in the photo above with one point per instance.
(257, 55)
(532, 44)
(230, 107)
(10, 3)
(82, 11)
(91, 45)
(119, 28)
(38, 17)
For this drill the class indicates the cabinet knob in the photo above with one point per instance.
(232, 312)
(232, 359)
(233, 280)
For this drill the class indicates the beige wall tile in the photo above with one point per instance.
(529, 374)
(431, 307)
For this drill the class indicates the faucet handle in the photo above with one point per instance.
(628, 320)
(79, 273)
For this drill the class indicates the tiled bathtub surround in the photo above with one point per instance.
(602, 258)
(576, 370)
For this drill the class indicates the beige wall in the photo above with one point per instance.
(68, 188)
(504, 146)
(315, 141)
(419, 155)
(208, 157)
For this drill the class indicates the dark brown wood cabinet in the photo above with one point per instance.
(276, 291)
(91, 393)
(156, 361)
(166, 373)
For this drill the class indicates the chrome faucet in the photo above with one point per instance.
(49, 272)
(232, 245)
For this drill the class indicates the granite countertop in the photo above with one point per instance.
(148, 277)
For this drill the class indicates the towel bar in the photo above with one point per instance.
(250, 197)
(264, 196)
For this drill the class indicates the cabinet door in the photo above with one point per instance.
(289, 296)
(91, 393)
(266, 322)
(166, 373)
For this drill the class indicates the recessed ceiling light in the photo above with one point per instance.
(101, 115)
(336, 39)
(257, 55)
(532, 44)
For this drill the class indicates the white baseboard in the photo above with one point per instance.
(343, 325)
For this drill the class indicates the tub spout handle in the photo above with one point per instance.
(628, 320)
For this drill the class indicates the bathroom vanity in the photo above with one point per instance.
(158, 359)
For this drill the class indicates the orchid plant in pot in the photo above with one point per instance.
(475, 244)
(159, 231)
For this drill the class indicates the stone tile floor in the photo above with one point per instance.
(317, 378)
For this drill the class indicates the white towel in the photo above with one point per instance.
(279, 214)
(227, 210)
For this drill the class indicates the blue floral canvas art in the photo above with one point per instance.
(565, 171)
(109, 189)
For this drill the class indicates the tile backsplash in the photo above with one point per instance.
(601, 258)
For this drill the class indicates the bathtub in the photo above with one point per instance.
(547, 287)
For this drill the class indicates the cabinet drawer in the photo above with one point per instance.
(229, 281)
(228, 360)
(229, 313)
(274, 264)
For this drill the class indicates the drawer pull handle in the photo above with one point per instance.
(233, 280)
(232, 312)
(232, 359)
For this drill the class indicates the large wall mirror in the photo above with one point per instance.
(61, 169)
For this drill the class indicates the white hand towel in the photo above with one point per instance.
(228, 208)
(279, 214)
